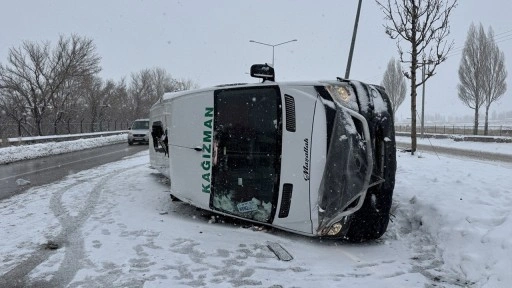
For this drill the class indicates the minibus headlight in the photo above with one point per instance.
(339, 92)
(335, 229)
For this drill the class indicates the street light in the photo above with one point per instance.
(273, 45)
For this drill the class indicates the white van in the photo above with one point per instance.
(139, 132)
(314, 158)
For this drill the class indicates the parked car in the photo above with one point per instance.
(314, 158)
(139, 132)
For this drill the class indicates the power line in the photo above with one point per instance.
(498, 38)
(498, 35)
(454, 53)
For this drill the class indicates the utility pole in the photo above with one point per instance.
(352, 44)
(423, 100)
(423, 75)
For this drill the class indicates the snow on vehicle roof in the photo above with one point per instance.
(172, 95)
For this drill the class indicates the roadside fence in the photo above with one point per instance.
(10, 130)
(501, 130)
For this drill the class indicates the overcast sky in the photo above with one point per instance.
(208, 41)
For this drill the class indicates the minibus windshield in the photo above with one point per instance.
(246, 152)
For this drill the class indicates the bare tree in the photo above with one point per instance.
(182, 85)
(120, 107)
(108, 92)
(142, 93)
(70, 106)
(149, 85)
(482, 73)
(394, 83)
(162, 82)
(61, 104)
(95, 92)
(471, 71)
(495, 75)
(37, 73)
(424, 25)
(12, 110)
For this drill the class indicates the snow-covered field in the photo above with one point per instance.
(116, 227)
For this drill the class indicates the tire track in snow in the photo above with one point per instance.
(70, 238)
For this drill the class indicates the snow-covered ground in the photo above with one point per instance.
(116, 227)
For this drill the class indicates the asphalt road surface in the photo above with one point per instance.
(46, 170)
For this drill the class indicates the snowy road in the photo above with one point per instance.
(115, 232)
(115, 226)
(45, 170)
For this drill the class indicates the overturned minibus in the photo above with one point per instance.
(314, 158)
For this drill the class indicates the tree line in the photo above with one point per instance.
(421, 29)
(482, 73)
(47, 89)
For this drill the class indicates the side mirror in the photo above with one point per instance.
(263, 71)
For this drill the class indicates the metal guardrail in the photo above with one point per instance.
(13, 130)
(502, 130)
(458, 137)
(57, 138)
